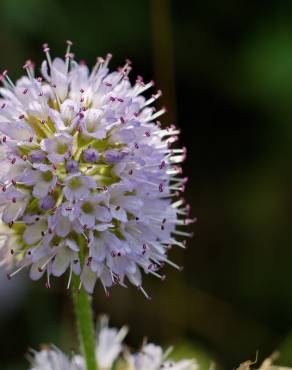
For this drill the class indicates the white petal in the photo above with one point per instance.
(72, 245)
(88, 182)
(87, 219)
(135, 278)
(97, 249)
(99, 134)
(17, 130)
(63, 227)
(56, 158)
(35, 273)
(102, 214)
(76, 265)
(103, 227)
(44, 69)
(118, 213)
(33, 233)
(57, 119)
(41, 189)
(12, 211)
(61, 262)
(88, 278)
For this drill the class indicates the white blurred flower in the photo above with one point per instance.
(149, 358)
(83, 157)
(110, 352)
(152, 357)
(109, 344)
(53, 359)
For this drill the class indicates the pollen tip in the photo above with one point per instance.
(46, 48)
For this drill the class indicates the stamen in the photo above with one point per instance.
(68, 56)
(41, 269)
(9, 276)
(70, 277)
(46, 50)
(5, 75)
(156, 115)
(29, 67)
(144, 292)
(48, 283)
(79, 287)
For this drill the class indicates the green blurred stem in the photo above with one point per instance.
(85, 324)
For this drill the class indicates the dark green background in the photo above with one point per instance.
(226, 71)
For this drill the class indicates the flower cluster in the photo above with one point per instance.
(111, 353)
(89, 181)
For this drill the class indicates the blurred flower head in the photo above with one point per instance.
(111, 353)
(88, 178)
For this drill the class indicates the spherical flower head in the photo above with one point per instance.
(88, 177)
(111, 353)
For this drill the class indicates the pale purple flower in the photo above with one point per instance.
(90, 155)
(57, 147)
(43, 181)
(72, 166)
(78, 187)
(91, 211)
(93, 124)
(47, 202)
(86, 169)
(114, 156)
(37, 156)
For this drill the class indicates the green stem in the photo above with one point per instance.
(85, 325)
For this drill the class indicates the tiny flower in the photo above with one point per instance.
(72, 166)
(43, 181)
(88, 174)
(90, 212)
(93, 125)
(78, 187)
(90, 155)
(37, 156)
(57, 147)
(47, 203)
(113, 156)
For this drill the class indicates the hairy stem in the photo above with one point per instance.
(85, 325)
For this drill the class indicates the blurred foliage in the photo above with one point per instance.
(226, 71)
